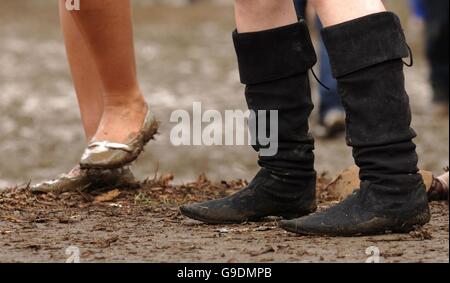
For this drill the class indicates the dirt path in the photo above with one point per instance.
(144, 225)
(184, 54)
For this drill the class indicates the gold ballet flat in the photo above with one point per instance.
(112, 155)
(83, 180)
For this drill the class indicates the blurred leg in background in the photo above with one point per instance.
(300, 7)
(331, 113)
(436, 14)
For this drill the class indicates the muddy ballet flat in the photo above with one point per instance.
(80, 180)
(76, 180)
(111, 155)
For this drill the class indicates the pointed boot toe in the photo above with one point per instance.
(358, 215)
(213, 212)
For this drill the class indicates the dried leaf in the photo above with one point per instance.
(109, 196)
(346, 182)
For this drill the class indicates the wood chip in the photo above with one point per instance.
(109, 196)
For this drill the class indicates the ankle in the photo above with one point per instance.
(133, 99)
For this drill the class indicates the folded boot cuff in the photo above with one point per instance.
(274, 54)
(364, 42)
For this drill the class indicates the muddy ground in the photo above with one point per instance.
(184, 54)
(144, 225)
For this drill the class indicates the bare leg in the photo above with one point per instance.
(100, 51)
(88, 85)
(258, 15)
(106, 27)
(332, 12)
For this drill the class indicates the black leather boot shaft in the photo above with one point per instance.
(366, 56)
(274, 66)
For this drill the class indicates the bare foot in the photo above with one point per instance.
(121, 120)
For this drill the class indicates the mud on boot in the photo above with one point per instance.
(274, 66)
(255, 203)
(359, 214)
(366, 57)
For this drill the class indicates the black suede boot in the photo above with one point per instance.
(274, 66)
(366, 55)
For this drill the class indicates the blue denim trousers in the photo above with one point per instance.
(329, 99)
